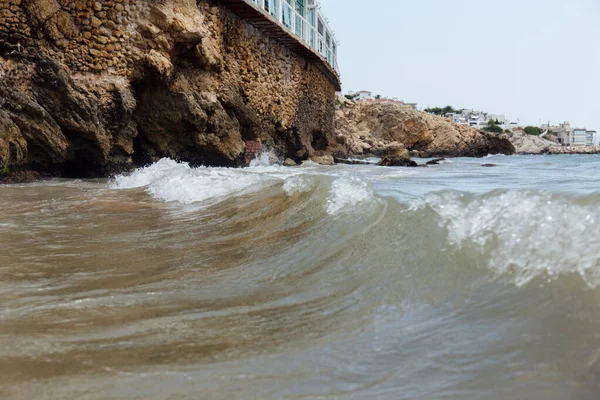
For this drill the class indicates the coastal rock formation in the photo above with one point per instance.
(369, 128)
(528, 144)
(90, 86)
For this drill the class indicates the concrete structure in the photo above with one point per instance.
(302, 19)
(593, 135)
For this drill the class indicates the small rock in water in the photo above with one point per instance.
(489, 165)
(396, 156)
(289, 162)
(435, 161)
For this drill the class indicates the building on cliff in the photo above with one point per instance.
(361, 95)
(304, 19)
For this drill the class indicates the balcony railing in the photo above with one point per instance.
(295, 23)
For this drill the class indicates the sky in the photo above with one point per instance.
(532, 60)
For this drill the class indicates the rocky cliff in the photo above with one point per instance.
(89, 86)
(369, 128)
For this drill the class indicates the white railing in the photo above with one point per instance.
(294, 22)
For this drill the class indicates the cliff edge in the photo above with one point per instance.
(89, 87)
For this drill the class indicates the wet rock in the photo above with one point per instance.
(397, 157)
(489, 165)
(323, 159)
(435, 161)
(19, 177)
(289, 162)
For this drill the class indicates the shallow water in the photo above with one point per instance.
(346, 282)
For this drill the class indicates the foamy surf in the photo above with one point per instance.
(522, 233)
(171, 181)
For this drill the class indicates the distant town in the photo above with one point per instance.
(564, 133)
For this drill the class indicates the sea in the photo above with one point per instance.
(456, 281)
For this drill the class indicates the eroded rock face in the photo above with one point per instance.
(87, 87)
(364, 128)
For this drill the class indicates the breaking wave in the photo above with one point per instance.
(524, 234)
(518, 234)
(307, 282)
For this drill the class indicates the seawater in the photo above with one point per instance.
(347, 282)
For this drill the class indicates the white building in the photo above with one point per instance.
(564, 133)
(479, 119)
(579, 137)
(361, 95)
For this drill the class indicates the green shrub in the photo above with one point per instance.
(442, 111)
(4, 171)
(533, 130)
(493, 128)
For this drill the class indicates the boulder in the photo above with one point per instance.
(396, 156)
(323, 159)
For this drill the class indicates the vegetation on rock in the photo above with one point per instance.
(493, 127)
(442, 111)
(533, 130)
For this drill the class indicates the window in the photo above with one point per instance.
(300, 7)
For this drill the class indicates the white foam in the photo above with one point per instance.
(346, 192)
(265, 159)
(297, 184)
(168, 180)
(525, 234)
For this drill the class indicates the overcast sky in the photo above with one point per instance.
(533, 60)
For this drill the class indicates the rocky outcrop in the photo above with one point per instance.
(87, 87)
(528, 144)
(369, 128)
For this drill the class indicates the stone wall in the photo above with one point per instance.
(89, 85)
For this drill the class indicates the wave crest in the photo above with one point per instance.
(528, 234)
